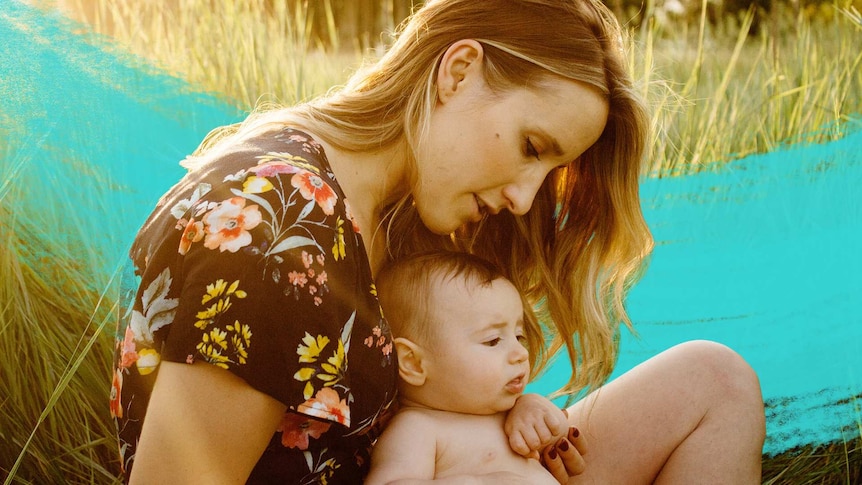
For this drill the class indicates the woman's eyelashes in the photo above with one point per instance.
(530, 149)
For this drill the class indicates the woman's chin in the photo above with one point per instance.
(441, 227)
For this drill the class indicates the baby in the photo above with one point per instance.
(462, 343)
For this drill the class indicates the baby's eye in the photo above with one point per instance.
(493, 342)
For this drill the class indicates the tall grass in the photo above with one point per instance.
(731, 94)
(54, 355)
(717, 93)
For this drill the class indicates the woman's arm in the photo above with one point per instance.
(184, 441)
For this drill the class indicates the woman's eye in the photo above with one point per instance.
(531, 149)
(522, 339)
(493, 342)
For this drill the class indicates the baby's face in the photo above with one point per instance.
(478, 360)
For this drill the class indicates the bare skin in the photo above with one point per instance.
(693, 414)
(180, 408)
(445, 447)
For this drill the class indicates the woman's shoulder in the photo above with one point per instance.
(267, 154)
(278, 180)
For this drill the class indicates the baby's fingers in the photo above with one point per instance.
(519, 444)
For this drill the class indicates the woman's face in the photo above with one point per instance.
(487, 152)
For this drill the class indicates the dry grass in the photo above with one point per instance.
(722, 94)
(834, 464)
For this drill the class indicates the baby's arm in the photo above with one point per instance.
(534, 423)
(407, 449)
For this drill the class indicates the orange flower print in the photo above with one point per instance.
(350, 217)
(297, 279)
(273, 168)
(128, 355)
(116, 392)
(193, 233)
(312, 187)
(307, 259)
(227, 225)
(327, 404)
(296, 429)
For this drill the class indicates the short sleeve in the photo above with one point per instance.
(268, 284)
(253, 264)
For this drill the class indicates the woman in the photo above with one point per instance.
(506, 128)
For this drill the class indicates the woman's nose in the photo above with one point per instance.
(520, 194)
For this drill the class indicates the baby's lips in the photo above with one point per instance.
(517, 385)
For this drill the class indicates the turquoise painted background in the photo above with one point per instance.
(764, 257)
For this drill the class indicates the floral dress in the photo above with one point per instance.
(253, 263)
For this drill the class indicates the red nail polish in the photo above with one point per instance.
(564, 445)
(575, 433)
(552, 454)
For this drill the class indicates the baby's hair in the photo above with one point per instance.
(404, 289)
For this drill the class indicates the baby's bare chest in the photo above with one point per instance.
(478, 445)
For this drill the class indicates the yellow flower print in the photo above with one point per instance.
(338, 251)
(148, 360)
(218, 346)
(312, 348)
(216, 290)
(304, 375)
(332, 366)
(330, 372)
(211, 347)
(256, 185)
(240, 340)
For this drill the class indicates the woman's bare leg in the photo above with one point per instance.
(692, 414)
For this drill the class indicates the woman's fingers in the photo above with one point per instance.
(572, 460)
(553, 463)
(563, 459)
(577, 439)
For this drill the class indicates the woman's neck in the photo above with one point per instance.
(370, 181)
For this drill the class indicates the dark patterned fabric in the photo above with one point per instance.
(253, 264)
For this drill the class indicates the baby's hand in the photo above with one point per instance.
(533, 424)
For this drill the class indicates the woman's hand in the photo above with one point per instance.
(564, 459)
(533, 424)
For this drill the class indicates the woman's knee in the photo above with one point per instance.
(722, 368)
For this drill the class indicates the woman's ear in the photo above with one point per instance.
(411, 367)
(461, 64)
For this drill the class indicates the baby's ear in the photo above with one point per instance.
(410, 366)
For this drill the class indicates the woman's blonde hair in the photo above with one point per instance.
(583, 242)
